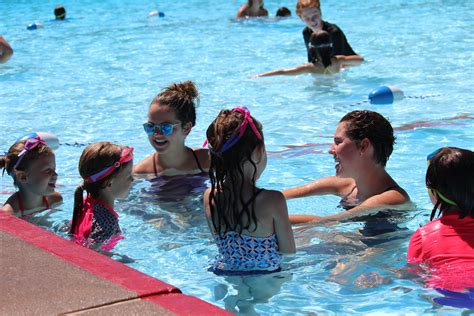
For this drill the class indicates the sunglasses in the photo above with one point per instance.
(163, 128)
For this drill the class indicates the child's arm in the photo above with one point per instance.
(283, 231)
(328, 185)
(350, 61)
(302, 69)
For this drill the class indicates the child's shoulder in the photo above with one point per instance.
(55, 199)
(272, 199)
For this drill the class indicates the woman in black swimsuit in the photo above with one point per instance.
(363, 142)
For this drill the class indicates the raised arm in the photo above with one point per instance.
(6, 50)
(302, 69)
(350, 61)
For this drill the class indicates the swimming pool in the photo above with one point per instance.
(92, 78)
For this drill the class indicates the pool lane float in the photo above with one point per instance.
(385, 95)
(34, 26)
(156, 13)
(51, 140)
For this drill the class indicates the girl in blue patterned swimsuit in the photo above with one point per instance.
(250, 225)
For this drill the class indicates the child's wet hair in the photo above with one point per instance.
(283, 12)
(8, 161)
(321, 48)
(181, 98)
(451, 173)
(374, 127)
(227, 170)
(95, 158)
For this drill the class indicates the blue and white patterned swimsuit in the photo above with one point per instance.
(241, 254)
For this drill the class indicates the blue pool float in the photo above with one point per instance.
(385, 95)
(156, 12)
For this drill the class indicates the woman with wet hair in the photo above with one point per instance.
(362, 145)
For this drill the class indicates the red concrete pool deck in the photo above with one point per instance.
(44, 274)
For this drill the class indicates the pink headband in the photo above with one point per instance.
(126, 156)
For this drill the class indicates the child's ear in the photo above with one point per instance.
(187, 128)
(21, 176)
(258, 153)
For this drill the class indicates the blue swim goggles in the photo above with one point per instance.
(163, 128)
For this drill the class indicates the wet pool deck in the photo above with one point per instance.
(44, 274)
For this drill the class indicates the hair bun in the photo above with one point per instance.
(186, 89)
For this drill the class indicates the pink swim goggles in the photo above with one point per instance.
(30, 144)
(238, 133)
(126, 156)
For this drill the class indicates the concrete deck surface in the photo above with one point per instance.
(43, 274)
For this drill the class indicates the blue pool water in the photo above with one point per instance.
(92, 78)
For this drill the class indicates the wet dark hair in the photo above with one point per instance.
(95, 158)
(181, 98)
(283, 12)
(374, 127)
(8, 161)
(451, 173)
(250, 2)
(321, 48)
(228, 208)
(60, 12)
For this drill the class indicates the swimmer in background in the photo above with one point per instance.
(283, 12)
(363, 143)
(171, 116)
(253, 8)
(323, 61)
(32, 165)
(310, 12)
(6, 51)
(446, 244)
(60, 12)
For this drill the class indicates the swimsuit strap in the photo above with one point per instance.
(22, 206)
(45, 201)
(154, 164)
(20, 203)
(197, 160)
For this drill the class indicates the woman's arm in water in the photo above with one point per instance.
(6, 51)
(302, 69)
(349, 61)
(393, 199)
(328, 185)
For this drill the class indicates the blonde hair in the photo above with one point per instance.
(305, 4)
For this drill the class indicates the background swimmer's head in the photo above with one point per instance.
(229, 166)
(180, 97)
(306, 4)
(283, 12)
(320, 48)
(9, 161)
(60, 12)
(450, 178)
(255, 2)
(371, 125)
